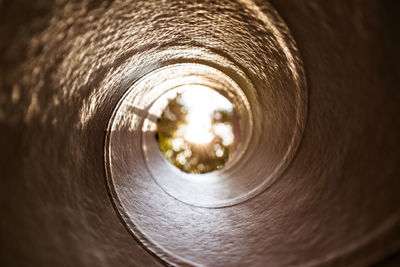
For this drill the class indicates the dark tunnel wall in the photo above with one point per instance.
(66, 64)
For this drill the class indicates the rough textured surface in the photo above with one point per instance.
(60, 78)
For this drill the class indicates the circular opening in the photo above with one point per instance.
(195, 134)
(196, 130)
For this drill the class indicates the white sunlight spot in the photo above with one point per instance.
(200, 103)
(225, 132)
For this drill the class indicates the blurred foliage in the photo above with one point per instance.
(191, 157)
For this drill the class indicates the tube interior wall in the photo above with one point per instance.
(65, 65)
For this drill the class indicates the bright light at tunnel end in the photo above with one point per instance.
(195, 130)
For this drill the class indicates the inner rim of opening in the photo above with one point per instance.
(208, 188)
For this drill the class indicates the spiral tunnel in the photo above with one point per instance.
(314, 177)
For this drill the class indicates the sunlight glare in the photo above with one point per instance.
(195, 131)
(200, 103)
